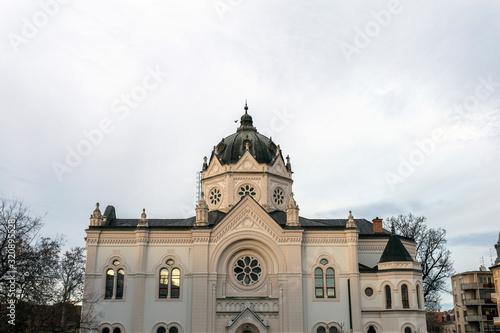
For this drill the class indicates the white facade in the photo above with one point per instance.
(247, 262)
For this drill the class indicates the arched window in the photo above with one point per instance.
(161, 330)
(117, 330)
(176, 282)
(173, 330)
(321, 329)
(110, 281)
(372, 329)
(388, 297)
(105, 330)
(330, 282)
(163, 292)
(114, 281)
(120, 280)
(404, 296)
(169, 283)
(318, 283)
(332, 330)
(324, 280)
(407, 330)
(418, 297)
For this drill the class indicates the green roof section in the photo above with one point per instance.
(395, 250)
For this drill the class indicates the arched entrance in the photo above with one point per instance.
(247, 328)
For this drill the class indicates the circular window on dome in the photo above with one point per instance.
(247, 270)
(215, 196)
(247, 190)
(278, 196)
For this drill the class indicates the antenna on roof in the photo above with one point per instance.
(491, 259)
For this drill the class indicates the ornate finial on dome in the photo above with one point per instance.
(201, 212)
(292, 213)
(96, 217)
(205, 165)
(350, 221)
(246, 121)
(143, 222)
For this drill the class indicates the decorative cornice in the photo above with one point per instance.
(399, 265)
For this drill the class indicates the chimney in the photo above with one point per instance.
(377, 226)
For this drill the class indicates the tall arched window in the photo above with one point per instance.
(418, 297)
(388, 297)
(105, 330)
(330, 282)
(120, 281)
(114, 283)
(407, 330)
(372, 329)
(404, 296)
(321, 329)
(161, 330)
(318, 282)
(176, 282)
(332, 330)
(173, 330)
(169, 282)
(117, 330)
(163, 292)
(110, 281)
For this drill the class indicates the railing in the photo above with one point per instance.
(475, 318)
(466, 286)
(474, 301)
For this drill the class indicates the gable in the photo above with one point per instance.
(247, 215)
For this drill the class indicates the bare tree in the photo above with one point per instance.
(431, 252)
(44, 284)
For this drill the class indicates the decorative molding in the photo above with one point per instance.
(399, 265)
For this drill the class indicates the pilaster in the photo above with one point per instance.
(201, 306)
(352, 236)
(141, 243)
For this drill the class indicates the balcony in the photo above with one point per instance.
(494, 296)
(468, 286)
(475, 318)
(496, 320)
(474, 301)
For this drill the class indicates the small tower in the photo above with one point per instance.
(497, 248)
(292, 213)
(350, 221)
(96, 217)
(201, 212)
(143, 222)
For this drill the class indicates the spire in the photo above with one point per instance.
(246, 121)
(292, 213)
(393, 230)
(350, 221)
(96, 217)
(201, 212)
(143, 222)
(395, 250)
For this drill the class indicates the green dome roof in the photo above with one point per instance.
(232, 148)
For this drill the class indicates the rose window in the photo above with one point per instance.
(247, 270)
(215, 196)
(247, 190)
(278, 196)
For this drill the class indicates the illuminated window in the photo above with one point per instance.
(169, 283)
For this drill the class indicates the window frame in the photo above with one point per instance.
(116, 280)
(388, 300)
(170, 268)
(405, 302)
(325, 280)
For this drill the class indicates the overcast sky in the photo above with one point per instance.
(384, 107)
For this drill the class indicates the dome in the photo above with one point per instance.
(231, 148)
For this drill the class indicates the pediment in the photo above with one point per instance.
(247, 215)
(247, 163)
(279, 168)
(247, 316)
(214, 168)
